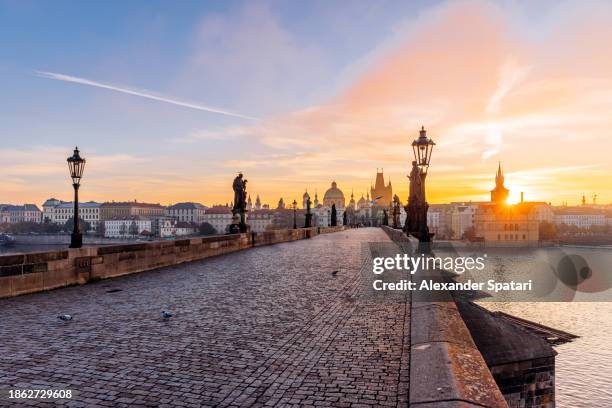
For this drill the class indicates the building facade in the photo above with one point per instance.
(510, 225)
(220, 217)
(261, 220)
(170, 227)
(13, 214)
(581, 217)
(187, 212)
(61, 213)
(500, 224)
(119, 210)
(129, 227)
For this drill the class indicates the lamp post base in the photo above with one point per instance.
(76, 240)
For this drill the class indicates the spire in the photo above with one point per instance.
(499, 177)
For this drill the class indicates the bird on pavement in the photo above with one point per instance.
(65, 317)
(165, 314)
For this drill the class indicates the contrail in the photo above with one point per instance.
(138, 92)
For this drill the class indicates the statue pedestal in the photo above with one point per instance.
(308, 222)
(239, 224)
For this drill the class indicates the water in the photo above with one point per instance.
(584, 366)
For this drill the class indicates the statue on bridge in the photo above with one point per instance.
(416, 210)
(239, 207)
(308, 216)
(333, 220)
(396, 211)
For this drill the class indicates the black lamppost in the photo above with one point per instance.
(294, 206)
(416, 210)
(422, 147)
(76, 165)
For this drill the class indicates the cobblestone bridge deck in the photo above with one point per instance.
(266, 326)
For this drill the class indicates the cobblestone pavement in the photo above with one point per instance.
(265, 326)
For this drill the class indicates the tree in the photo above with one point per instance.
(84, 226)
(548, 231)
(133, 228)
(334, 216)
(207, 229)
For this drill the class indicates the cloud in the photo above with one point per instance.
(249, 58)
(479, 76)
(139, 92)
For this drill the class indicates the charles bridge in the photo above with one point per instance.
(268, 319)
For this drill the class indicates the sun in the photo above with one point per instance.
(515, 195)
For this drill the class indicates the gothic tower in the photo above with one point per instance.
(499, 194)
(385, 192)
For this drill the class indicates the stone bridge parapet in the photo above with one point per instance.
(40, 271)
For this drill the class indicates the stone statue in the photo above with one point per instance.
(308, 215)
(416, 185)
(416, 210)
(239, 207)
(396, 211)
(333, 220)
(239, 187)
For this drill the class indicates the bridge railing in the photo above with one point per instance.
(40, 271)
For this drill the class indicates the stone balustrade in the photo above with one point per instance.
(35, 272)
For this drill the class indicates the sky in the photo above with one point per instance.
(168, 102)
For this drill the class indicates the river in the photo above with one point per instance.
(584, 366)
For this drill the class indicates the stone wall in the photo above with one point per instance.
(55, 239)
(446, 367)
(35, 272)
(529, 383)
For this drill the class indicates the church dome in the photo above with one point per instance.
(334, 196)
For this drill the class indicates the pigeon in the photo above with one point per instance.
(165, 314)
(334, 273)
(65, 317)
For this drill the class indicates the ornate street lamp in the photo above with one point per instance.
(422, 147)
(294, 206)
(416, 210)
(76, 165)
